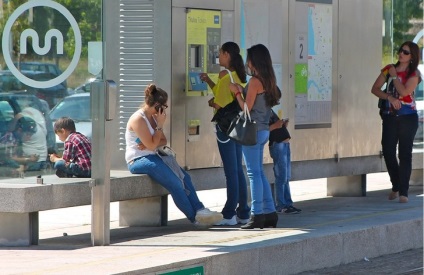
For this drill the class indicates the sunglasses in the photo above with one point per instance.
(405, 52)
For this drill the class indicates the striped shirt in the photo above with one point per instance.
(78, 150)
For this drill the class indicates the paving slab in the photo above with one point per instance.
(328, 232)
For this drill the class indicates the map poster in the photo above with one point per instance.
(313, 64)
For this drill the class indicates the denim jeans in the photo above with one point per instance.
(399, 131)
(280, 154)
(231, 156)
(36, 166)
(184, 195)
(72, 169)
(262, 201)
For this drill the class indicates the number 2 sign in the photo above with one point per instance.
(301, 50)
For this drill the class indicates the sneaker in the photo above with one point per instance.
(242, 221)
(297, 209)
(232, 221)
(206, 217)
(290, 210)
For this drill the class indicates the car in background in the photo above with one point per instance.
(9, 83)
(34, 66)
(52, 94)
(77, 107)
(12, 104)
(84, 88)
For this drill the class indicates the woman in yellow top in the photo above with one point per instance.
(236, 209)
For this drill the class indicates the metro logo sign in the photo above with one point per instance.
(47, 45)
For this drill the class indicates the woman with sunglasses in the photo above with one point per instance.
(143, 135)
(399, 115)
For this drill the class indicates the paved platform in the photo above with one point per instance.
(328, 232)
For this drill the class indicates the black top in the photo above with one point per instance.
(279, 134)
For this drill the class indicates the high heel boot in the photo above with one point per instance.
(256, 221)
(271, 220)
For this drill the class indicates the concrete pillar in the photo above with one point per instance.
(18, 229)
(348, 186)
(141, 212)
(416, 177)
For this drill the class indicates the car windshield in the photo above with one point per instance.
(77, 108)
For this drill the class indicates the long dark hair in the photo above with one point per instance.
(236, 61)
(415, 57)
(155, 95)
(259, 57)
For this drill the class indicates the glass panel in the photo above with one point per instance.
(403, 21)
(44, 75)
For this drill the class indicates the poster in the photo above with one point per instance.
(313, 64)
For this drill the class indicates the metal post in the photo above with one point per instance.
(100, 183)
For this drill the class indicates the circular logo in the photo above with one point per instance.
(6, 50)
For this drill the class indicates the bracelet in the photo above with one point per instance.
(158, 128)
(238, 93)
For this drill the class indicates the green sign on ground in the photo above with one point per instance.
(198, 270)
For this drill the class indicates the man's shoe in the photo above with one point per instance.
(393, 195)
(205, 217)
(297, 209)
(232, 221)
(290, 210)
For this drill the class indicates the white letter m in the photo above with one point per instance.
(47, 41)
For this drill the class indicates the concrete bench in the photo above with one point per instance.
(142, 202)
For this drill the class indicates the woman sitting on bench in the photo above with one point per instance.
(143, 136)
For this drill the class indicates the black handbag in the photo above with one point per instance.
(226, 114)
(389, 89)
(243, 129)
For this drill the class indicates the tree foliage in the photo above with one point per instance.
(400, 14)
(88, 15)
(19, 26)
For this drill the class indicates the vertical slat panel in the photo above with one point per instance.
(136, 57)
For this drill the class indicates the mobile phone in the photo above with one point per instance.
(138, 141)
(157, 108)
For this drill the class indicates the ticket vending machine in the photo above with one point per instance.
(200, 30)
(203, 42)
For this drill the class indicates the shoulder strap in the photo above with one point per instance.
(231, 76)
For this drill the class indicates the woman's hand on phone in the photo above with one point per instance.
(161, 117)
